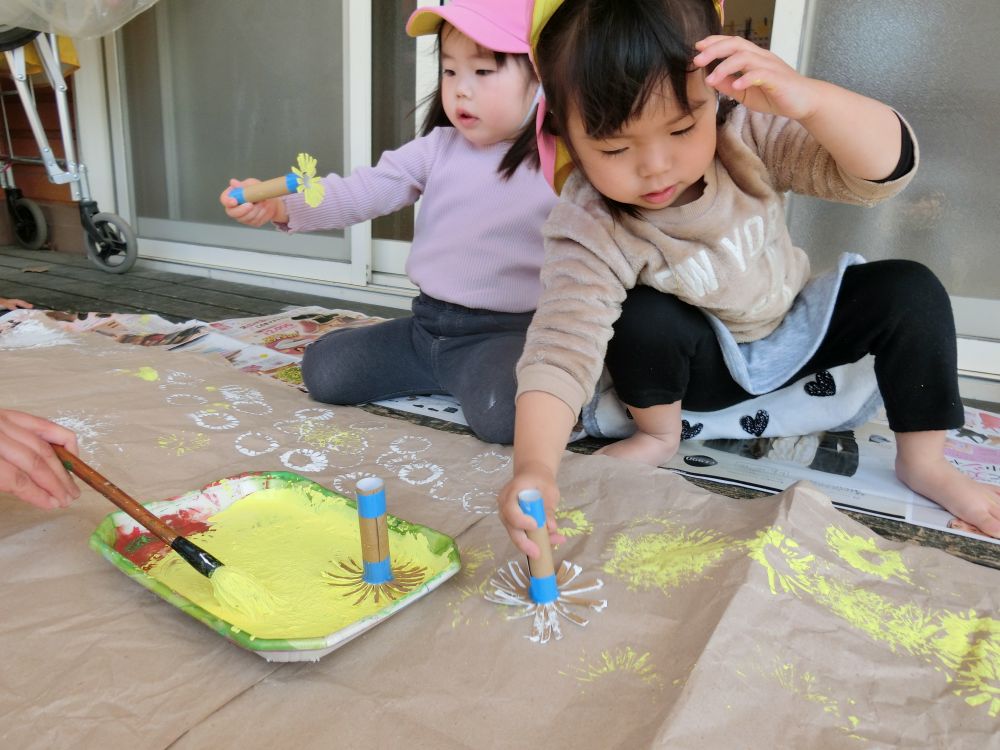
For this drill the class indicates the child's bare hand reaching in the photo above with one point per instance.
(517, 523)
(756, 77)
(252, 214)
(14, 304)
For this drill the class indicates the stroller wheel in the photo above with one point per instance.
(30, 228)
(12, 37)
(114, 249)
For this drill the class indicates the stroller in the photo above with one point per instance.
(111, 242)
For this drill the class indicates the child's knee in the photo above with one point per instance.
(912, 285)
(324, 380)
(492, 424)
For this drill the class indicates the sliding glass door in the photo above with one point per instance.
(237, 88)
(917, 57)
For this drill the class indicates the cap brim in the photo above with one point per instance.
(423, 21)
(475, 26)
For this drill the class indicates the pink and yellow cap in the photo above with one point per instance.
(556, 163)
(498, 25)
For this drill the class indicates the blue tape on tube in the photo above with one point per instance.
(291, 182)
(532, 505)
(543, 590)
(381, 571)
(372, 506)
(237, 193)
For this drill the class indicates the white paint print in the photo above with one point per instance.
(346, 484)
(255, 444)
(91, 431)
(212, 419)
(490, 462)
(319, 438)
(511, 587)
(420, 473)
(403, 461)
(177, 379)
(33, 334)
(409, 445)
(245, 400)
(186, 399)
(305, 460)
(479, 501)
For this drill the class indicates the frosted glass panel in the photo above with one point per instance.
(936, 63)
(228, 88)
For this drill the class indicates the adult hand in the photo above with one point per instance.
(13, 304)
(29, 468)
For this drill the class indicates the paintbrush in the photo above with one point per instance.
(230, 587)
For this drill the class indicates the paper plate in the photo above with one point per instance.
(121, 541)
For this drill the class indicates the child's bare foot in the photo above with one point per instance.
(970, 501)
(644, 448)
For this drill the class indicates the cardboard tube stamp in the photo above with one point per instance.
(542, 585)
(374, 530)
(259, 191)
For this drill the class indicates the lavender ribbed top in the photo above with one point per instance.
(477, 240)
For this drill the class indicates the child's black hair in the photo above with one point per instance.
(522, 149)
(606, 58)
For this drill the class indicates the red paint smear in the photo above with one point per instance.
(141, 553)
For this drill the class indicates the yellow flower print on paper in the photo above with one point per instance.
(863, 554)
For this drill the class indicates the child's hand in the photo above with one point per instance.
(757, 78)
(29, 468)
(517, 523)
(253, 214)
(13, 304)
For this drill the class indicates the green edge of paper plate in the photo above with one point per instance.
(103, 539)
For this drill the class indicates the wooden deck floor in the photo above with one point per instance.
(67, 281)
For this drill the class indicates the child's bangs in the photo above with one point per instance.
(617, 55)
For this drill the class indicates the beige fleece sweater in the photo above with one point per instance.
(728, 252)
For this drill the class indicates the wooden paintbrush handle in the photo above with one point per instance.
(94, 478)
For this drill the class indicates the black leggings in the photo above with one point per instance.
(664, 350)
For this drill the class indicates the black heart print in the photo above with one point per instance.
(823, 385)
(689, 430)
(755, 425)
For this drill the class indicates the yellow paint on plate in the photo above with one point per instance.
(285, 539)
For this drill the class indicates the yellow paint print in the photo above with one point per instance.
(966, 646)
(148, 374)
(581, 525)
(619, 661)
(181, 444)
(286, 539)
(667, 559)
(788, 568)
(473, 559)
(805, 685)
(970, 644)
(864, 555)
(323, 435)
